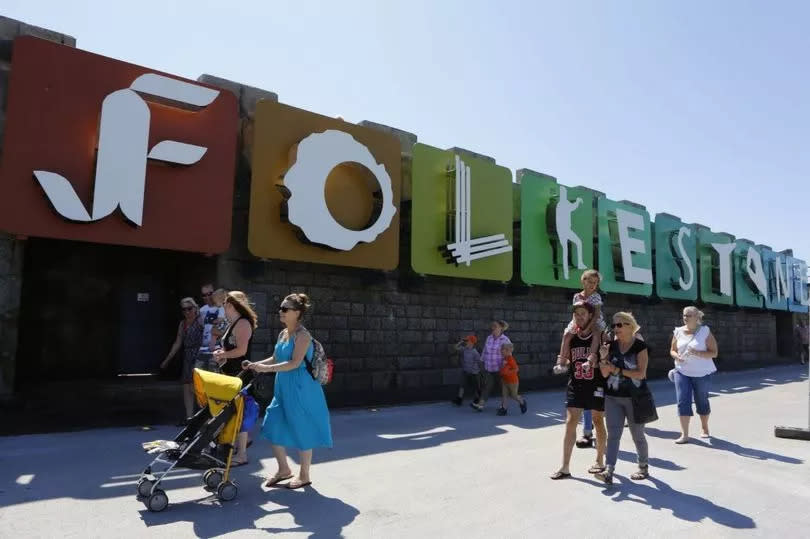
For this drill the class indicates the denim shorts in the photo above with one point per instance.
(688, 386)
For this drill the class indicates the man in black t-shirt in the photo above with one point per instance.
(586, 391)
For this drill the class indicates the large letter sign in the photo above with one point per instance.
(750, 281)
(716, 277)
(461, 215)
(556, 230)
(120, 179)
(323, 190)
(83, 136)
(675, 258)
(625, 247)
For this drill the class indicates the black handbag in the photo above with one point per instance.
(643, 405)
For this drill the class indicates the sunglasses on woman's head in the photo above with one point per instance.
(620, 324)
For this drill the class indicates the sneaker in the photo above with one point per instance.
(501, 411)
(585, 441)
(457, 401)
(523, 406)
(477, 407)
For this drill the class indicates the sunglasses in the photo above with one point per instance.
(206, 294)
(285, 309)
(620, 324)
(187, 309)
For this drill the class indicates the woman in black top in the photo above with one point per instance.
(236, 348)
(623, 363)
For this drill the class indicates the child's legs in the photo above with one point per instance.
(513, 392)
(565, 344)
(587, 419)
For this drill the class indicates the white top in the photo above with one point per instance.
(693, 365)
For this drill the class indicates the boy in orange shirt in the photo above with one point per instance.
(509, 380)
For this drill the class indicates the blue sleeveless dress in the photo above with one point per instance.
(297, 417)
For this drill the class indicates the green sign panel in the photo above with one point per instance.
(715, 251)
(750, 281)
(556, 231)
(798, 273)
(676, 275)
(461, 220)
(779, 282)
(625, 247)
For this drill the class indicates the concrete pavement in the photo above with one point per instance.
(436, 470)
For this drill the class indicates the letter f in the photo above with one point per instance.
(120, 178)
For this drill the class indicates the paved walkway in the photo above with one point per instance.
(437, 471)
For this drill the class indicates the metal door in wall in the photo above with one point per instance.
(145, 329)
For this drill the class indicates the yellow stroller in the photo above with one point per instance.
(207, 443)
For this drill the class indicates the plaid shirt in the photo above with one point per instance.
(493, 360)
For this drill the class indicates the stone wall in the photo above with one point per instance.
(12, 249)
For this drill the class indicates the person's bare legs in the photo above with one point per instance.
(188, 399)
(303, 472)
(601, 437)
(241, 448)
(571, 422)
(684, 429)
(284, 470)
(704, 422)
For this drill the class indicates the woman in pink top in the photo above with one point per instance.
(493, 361)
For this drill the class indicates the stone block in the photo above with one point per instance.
(248, 96)
(406, 139)
(358, 335)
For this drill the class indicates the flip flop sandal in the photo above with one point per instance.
(276, 479)
(235, 464)
(596, 469)
(560, 475)
(640, 475)
(292, 486)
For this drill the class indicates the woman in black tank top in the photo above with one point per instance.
(233, 363)
(236, 348)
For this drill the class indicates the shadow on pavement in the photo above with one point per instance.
(683, 506)
(104, 463)
(725, 445)
(312, 513)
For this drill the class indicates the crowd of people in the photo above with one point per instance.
(607, 378)
(217, 337)
(606, 367)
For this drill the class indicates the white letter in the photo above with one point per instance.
(753, 266)
(684, 231)
(626, 221)
(724, 251)
(317, 155)
(782, 283)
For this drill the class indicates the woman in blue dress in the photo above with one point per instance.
(297, 417)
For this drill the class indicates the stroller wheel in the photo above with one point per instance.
(157, 501)
(227, 491)
(212, 478)
(145, 487)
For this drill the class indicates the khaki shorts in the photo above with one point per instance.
(509, 390)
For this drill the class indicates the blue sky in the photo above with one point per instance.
(698, 109)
